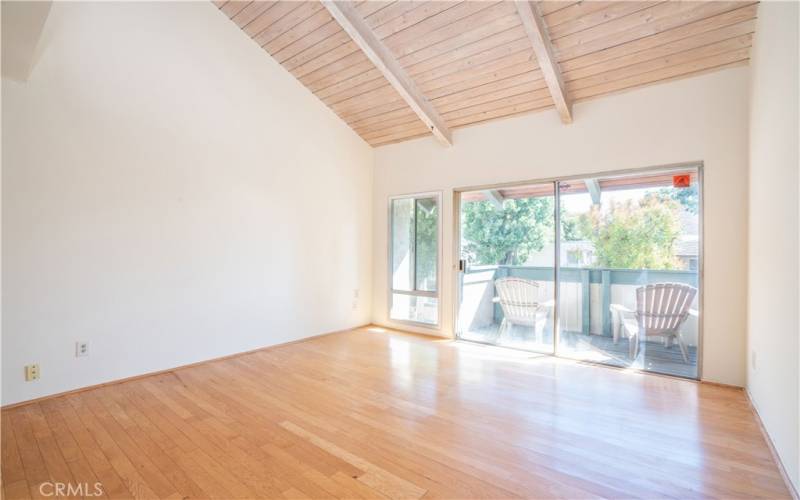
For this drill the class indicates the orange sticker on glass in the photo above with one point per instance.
(681, 181)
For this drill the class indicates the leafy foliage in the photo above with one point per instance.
(414, 236)
(570, 227)
(426, 232)
(687, 197)
(506, 236)
(634, 235)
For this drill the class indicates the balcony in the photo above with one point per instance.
(588, 321)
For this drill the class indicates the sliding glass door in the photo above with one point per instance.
(629, 271)
(615, 258)
(507, 259)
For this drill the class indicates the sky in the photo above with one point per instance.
(579, 203)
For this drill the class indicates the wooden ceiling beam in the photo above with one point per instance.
(495, 197)
(593, 186)
(475, 63)
(355, 26)
(540, 40)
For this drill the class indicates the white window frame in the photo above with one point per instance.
(390, 246)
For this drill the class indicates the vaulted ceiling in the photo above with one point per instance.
(395, 70)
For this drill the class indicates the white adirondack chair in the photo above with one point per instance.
(661, 310)
(519, 299)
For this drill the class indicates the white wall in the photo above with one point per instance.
(773, 377)
(22, 25)
(702, 118)
(170, 194)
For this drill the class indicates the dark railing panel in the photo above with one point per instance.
(586, 277)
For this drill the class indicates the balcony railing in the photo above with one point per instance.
(586, 293)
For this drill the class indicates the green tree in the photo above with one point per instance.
(570, 227)
(687, 197)
(415, 236)
(635, 235)
(506, 236)
(427, 213)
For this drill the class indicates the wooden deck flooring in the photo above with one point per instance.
(653, 355)
(370, 414)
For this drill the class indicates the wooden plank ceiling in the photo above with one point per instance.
(474, 61)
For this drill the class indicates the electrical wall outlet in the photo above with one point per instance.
(81, 349)
(31, 372)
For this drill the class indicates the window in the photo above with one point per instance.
(414, 259)
(574, 257)
(567, 267)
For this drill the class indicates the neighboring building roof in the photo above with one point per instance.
(688, 246)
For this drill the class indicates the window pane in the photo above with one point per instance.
(631, 299)
(412, 308)
(426, 248)
(403, 244)
(507, 289)
(414, 259)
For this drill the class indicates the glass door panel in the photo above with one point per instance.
(507, 267)
(628, 260)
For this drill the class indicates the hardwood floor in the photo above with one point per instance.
(367, 414)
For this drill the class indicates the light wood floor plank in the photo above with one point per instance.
(32, 461)
(375, 414)
(54, 461)
(113, 485)
(11, 466)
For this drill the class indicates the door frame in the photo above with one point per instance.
(674, 167)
